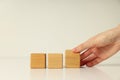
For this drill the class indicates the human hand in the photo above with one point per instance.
(99, 47)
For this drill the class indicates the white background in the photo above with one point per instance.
(28, 26)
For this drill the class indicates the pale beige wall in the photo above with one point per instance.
(52, 26)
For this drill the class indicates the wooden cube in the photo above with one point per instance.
(55, 60)
(38, 60)
(72, 60)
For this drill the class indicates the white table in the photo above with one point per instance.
(19, 69)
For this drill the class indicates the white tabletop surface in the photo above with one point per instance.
(19, 69)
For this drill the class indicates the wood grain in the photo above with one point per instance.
(72, 60)
(55, 60)
(38, 60)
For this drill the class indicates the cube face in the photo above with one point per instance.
(72, 60)
(55, 61)
(38, 60)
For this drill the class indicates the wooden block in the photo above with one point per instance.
(38, 60)
(55, 60)
(72, 60)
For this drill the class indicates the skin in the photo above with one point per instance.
(99, 47)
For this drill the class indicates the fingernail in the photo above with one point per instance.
(74, 50)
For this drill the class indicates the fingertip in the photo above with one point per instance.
(80, 48)
(89, 65)
(74, 49)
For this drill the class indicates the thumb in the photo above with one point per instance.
(82, 47)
